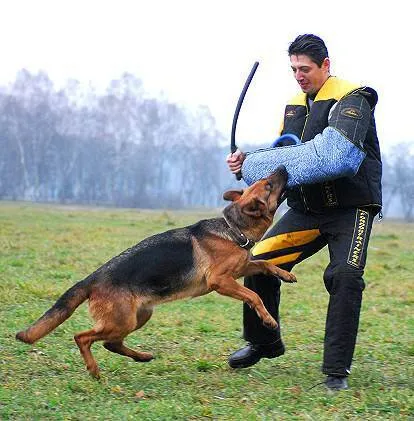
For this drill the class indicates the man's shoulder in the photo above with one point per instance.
(345, 89)
(336, 88)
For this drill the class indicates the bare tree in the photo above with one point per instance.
(403, 178)
(122, 147)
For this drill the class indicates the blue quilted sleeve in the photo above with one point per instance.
(328, 156)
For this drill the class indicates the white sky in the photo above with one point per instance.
(200, 52)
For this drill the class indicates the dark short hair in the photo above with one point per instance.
(309, 45)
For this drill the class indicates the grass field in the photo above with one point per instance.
(46, 249)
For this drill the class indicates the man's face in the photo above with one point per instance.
(308, 74)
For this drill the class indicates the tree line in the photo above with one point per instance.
(126, 148)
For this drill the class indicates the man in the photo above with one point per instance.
(334, 192)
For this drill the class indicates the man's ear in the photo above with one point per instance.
(326, 64)
(232, 195)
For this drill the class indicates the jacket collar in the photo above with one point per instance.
(333, 88)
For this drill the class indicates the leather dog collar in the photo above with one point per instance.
(238, 237)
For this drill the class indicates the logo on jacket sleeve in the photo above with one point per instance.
(352, 113)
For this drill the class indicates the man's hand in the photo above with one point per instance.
(235, 161)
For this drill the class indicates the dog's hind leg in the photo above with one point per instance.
(84, 340)
(114, 318)
(143, 315)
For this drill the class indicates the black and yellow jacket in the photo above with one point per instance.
(306, 122)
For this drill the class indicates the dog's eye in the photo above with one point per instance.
(269, 185)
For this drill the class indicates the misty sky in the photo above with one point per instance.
(200, 52)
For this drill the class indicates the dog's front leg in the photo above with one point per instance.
(255, 267)
(226, 285)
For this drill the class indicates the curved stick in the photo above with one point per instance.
(233, 147)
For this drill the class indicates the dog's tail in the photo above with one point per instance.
(58, 313)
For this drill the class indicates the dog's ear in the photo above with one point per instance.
(254, 208)
(232, 195)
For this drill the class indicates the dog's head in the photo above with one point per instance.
(257, 203)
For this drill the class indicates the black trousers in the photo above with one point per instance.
(292, 239)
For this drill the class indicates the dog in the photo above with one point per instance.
(185, 262)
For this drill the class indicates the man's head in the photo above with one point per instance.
(310, 62)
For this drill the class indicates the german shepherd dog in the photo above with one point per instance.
(185, 262)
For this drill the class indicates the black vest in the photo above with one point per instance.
(364, 189)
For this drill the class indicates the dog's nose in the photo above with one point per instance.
(280, 172)
(281, 169)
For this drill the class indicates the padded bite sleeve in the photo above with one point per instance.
(336, 152)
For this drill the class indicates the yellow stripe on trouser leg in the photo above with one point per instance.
(287, 258)
(284, 241)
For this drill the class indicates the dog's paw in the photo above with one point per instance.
(271, 323)
(94, 372)
(143, 357)
(282, 274)
(286, 276)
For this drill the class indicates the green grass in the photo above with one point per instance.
(45, 249)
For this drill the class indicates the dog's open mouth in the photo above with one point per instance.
(276, 183)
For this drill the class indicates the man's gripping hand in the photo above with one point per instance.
(235, 161)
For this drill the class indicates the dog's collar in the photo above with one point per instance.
(239, 237)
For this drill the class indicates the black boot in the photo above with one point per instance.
(253, 353)
(336, 383)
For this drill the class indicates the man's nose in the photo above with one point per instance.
(298, 75)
